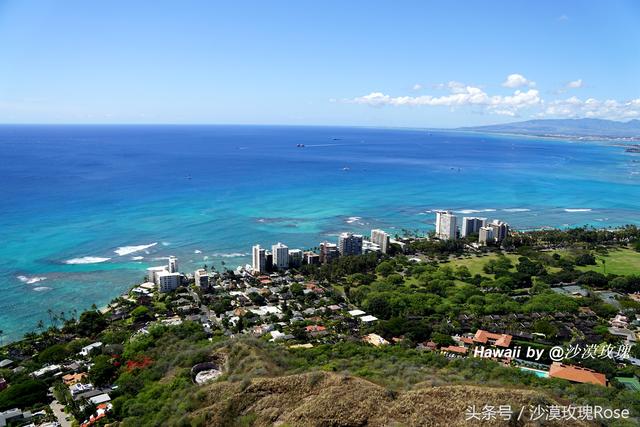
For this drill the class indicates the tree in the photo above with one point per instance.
(619, 284)
(463, 273)
(53, 354)
(498, 266)
(545, 327)
(91, 323)
(379, 306)
(139, 313)
(592, 278)
(549, 302)
(385, 268)
(442, 339)
(23, 394)
(530, 268)
(585, 259)
(103, 371)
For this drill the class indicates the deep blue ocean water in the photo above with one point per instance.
(207, 193)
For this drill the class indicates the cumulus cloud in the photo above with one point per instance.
(517, 80)
(461, 95)
(520, 102)
(575, 84)
(417, 86)
(575, 107)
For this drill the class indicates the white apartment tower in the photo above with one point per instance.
(173, 264)
(446, 225)
(201, 278)
(382, 239)
(167, 282)
(472, 225)
(500, 230)
(280, 255)
(485, 235)
(259, 264)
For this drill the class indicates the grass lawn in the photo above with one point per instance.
(476, 263)
(618, 261)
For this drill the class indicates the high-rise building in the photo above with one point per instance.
(167, 281)
(280, 255)
(173, 264)
(485, 235)
(350, 244)
(153, 272)
(500, 230)
(259, 261)
(295, 258)
(368, 247)
(268, 260)
(382, 239)
(446, 225)
(311, 258)
(201, 278)
(471, 225)
(328, 252)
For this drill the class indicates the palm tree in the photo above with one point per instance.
(51, 317)
(40, 325)
(1, 335)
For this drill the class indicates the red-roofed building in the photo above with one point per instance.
(315, 328)
(455, 349)
(431, 345)
(498, 340)
(576, 374)
(466, 340)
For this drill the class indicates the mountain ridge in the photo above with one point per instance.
(583, 128)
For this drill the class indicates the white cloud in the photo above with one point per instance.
(521, 102)
(575, 84)
(517, 80)
(417, 86)
(593, 108)
(460, 96)
(505, 113)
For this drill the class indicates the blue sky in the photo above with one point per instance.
(372, 63)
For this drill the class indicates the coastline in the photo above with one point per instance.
(393, 176)
(107, 308)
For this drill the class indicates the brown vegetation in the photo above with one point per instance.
(328, 399)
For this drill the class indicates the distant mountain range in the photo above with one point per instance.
(585, 128)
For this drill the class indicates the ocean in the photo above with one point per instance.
(85, 209)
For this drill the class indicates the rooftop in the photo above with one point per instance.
(500, 340)
(576, 374)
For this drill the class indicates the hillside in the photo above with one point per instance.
(585, 128)
(329, 399)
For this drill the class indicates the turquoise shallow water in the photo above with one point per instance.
(207, 193)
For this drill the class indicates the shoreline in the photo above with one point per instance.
(106, 308)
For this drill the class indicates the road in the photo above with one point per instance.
(58, 411)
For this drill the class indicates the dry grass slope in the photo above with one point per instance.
(333, 400)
